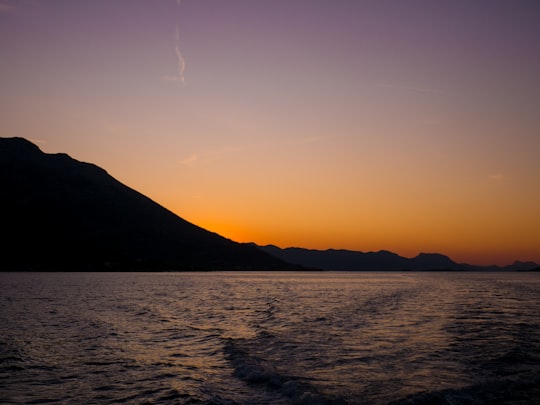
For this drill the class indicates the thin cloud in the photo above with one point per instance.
(181, 64)
(212, 155)
(179, 77)
(112, 128)
(497, 177)
(411, 88)
(190, 160)
(430, 122)
(306, 140)
(181, 61)
(217, 154)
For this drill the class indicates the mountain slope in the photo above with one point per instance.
(61, 214)
(345, 260)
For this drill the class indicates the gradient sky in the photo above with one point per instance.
(406, 125)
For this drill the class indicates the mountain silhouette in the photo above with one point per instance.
(349, 260)
(61, 214)
(344, 260)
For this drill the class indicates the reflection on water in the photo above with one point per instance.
(269, 338)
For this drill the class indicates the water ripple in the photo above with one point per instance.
(269, 338)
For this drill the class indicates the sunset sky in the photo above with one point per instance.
(405, 125)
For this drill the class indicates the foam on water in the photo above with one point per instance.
(269, 338)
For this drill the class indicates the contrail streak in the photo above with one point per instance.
(179, 77)
(411, 88)
(181, 64)
(181, 59)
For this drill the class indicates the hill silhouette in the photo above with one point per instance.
(61, 214)
(349, 260)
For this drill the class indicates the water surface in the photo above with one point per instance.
(269, 338)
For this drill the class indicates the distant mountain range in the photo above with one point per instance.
(59, 214)
(347, 260)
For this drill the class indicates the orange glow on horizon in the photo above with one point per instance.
(408, 140)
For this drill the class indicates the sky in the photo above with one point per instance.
(403, 125)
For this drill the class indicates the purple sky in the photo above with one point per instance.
(402, 125)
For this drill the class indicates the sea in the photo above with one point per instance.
(270, 338)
